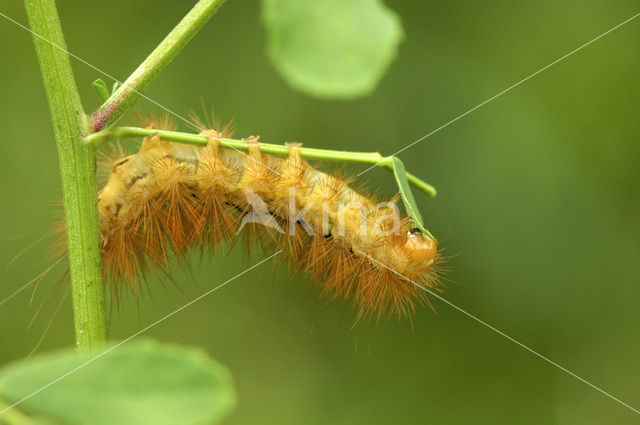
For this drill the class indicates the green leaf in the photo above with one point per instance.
(138, 383)
(101, 89)
(400, 173)
(331, 48)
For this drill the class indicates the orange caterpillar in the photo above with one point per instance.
(173, 197)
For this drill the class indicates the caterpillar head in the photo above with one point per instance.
(112, 198)
(420, 248)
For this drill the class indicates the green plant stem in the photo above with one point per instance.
(127, 94)
(370, 158)
(77, 169)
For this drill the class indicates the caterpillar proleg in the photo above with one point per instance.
(174, 197)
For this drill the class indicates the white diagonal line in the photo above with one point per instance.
(507, 89)
(91, 360)
(131, 88)
(499, 332)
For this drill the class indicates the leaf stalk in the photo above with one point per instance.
(369, 158)
(128, 92)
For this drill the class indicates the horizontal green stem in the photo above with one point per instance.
(370, 158)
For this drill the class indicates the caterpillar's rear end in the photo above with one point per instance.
(173, 197)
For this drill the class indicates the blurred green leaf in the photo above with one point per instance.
(400, 173)
(139, 383)
(332, 48)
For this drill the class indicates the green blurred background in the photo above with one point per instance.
(538, 207)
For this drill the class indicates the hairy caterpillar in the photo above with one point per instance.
(173, 197)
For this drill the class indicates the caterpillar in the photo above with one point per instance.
(171, 197)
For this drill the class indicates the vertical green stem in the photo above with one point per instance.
(77, 169)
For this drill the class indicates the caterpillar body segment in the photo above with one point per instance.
(174, 197)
